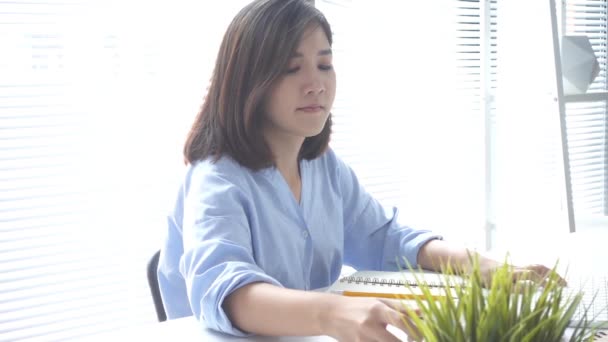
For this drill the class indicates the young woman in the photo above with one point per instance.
(267, 211)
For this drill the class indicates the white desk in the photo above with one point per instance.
(189, 330)
(185, 330)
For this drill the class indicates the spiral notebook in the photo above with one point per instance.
(401, 285)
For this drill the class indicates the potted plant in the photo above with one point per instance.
(506, 309)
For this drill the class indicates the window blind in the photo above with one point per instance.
(477, 63)
(95, 100)
(66, 254)
(587, 122)
(489, 62)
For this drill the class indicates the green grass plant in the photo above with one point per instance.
(508, 308)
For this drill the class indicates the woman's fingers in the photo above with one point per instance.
(371, 319)
(536, 273)
(384, 335)
(401, 305)
(399, 318)
(404, 323)
(528, 273)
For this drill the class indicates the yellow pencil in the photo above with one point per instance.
(405, 296)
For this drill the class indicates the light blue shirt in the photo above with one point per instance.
(232, 226)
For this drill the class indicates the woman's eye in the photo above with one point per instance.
(326, 66)
(292, 70)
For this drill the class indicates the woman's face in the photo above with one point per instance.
(299, 102)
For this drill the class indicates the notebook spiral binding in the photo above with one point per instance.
(387, 282)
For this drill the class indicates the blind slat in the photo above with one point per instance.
(587, 122)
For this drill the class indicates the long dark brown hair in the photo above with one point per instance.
(254, 53)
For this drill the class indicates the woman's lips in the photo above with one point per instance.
(311, 109)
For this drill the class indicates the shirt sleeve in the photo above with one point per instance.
(374, 239)
(218, 257)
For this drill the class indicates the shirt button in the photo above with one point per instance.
(305, 234)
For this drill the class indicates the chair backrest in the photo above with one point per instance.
(154, 287)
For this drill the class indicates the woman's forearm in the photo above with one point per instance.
(266, 309)
(436, 254)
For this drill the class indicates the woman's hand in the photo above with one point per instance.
(355, 319)
(535, 272)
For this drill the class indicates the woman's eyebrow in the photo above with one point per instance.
(325, 52)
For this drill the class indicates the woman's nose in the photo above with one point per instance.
(314, 85)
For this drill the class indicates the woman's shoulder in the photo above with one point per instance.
(224, 168)
(224, 164)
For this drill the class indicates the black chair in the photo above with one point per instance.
(154, 287)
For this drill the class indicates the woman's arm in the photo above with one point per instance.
(436, 254)
(262, 308)
(265, 309)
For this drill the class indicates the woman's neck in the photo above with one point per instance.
(290, 170)
(286, 161)
(286, 157)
